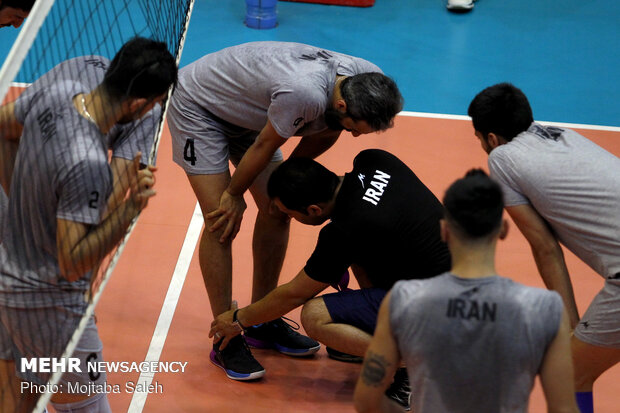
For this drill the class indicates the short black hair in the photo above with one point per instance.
(301, 182)
(142, 68)
(502, 109)
(25, 5)
(372, 97)
(474, 205)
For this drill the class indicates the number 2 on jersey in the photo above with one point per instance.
(93, 201)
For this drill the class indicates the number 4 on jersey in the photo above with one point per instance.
(189, 154)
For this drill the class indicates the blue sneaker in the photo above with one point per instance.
(279, 335)
(237, 360)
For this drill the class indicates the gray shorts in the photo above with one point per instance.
(600, 325)
(45, 332)
(202, 143)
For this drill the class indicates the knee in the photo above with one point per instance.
(590, 361)
(584, 380)
(273, 215)
(584, 375)
(211, 239)
(314, 315)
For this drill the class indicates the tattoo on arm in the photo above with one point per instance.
(373, 371)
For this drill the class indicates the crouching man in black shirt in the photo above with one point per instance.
(384, 225)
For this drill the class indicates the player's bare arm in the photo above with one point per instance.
(120, 182)
(275, 304)
(8, 152)
(232, 205)
(559, 394)
(380, 363)
(81, 247)
(314, 145)
(10, 128)
(547, 254)
(10, 132)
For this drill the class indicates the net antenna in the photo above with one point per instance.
(58, 31)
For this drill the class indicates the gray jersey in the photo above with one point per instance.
(90, 71)
(290, 84)
(572, 183)
(61, 171)
(124, 139)
(472, 345)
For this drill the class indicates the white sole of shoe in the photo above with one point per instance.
(237, 376)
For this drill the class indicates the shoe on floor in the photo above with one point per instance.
(399, 390)
(280, 335)
(460, 5)
(340, 356)
(237, 360)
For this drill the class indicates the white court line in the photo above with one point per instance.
(559, 124)
(167, 311)
(187, 251)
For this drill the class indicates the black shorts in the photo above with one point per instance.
(358, 308)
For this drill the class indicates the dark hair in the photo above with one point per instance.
(301, 182)
(372, 97)
(474, 204)
(501, 109)
(142, 68)
(25, 5)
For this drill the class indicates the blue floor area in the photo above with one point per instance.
(565, 55)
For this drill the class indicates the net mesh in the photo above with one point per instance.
(66, 201)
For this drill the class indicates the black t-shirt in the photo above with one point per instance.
(386, 221)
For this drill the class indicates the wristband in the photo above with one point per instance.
(236, 321)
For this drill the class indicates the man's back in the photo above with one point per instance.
(386, 221)
(246, 83)
(472, 345)
(572, 183)
(391, 218)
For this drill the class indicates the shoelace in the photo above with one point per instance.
(243, 345)
(246, 348)
(288, 322)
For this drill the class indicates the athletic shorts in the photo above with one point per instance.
(45, 332)
(600, 325)
(202, 143)
(358, 308)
